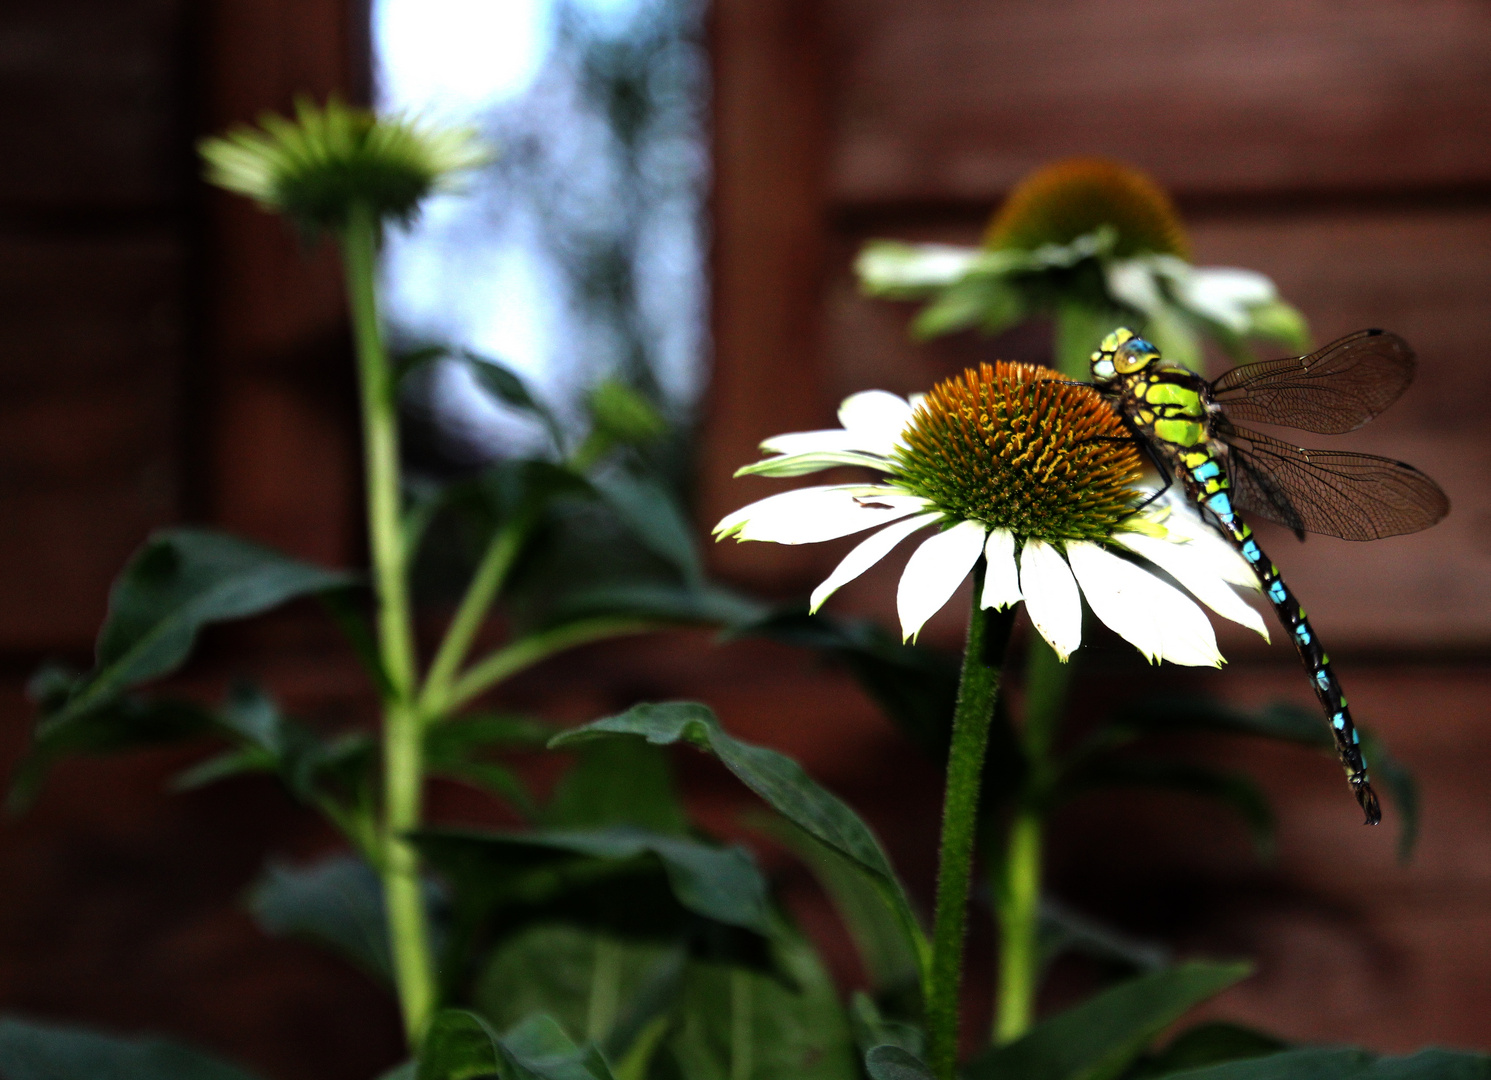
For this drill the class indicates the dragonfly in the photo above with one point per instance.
(1189, 429)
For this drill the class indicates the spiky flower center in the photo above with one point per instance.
(316, 167)
(1022, 448)
(1069, 199)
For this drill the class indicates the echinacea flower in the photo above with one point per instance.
(1033, 473)
(315, 168)
(1091, 233)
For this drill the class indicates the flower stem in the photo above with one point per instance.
(403, 768)
(1017, 876)
(501, 552)
(1079, 328)
(1019, 896)
(978, 690)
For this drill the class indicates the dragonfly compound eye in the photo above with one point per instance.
(1133, 355)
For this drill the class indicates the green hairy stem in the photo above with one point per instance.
(403, 767)
(978, 691)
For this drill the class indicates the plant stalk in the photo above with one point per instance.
(1017, 874)
(403, 767)
(978, 690)
(498, 559)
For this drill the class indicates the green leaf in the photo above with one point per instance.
(718, 883)
(894, 1063)
(888, 958)
(1063, 930)
(989, 302)
(125, 723)
(35, 1051)
(1322, 1063)
(618, 782)
(654, 517)
(734, 1023)
(779, 780)
(622, 415)
(585, 980)
(872, 1028)
(1205, 1044)
(454, 749)
(461, 1045)
(179, 582)
(1234, 790)
(665, 602)
(507, 386)
(336, 902)
(1098, 1039)
(1280, 322)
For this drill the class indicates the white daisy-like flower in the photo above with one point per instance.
(1030, 472)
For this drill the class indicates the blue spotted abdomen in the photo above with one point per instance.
(1206, 481)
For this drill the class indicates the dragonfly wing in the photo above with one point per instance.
(1331, 492)
(1334, 390)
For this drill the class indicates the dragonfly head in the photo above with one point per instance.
(1121, 353)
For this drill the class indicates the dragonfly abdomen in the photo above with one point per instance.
(1206, 481)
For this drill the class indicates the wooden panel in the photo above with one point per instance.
(768, 257)
(91, 104)
(89, 439)
(1425, 274)
(942, 99)
(282, 431)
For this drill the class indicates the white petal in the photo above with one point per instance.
(876, 418)
(1001, 575)
(815, 461)
(1225, 294)
(1133, 282)
(1051, 597)
(934, 572)
(814, 514)
(1190, 564)
(890, 265)
(869, 552)
(1185, 522)
(811, 442)
(1157, 618)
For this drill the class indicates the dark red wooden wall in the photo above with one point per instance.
(170, 354)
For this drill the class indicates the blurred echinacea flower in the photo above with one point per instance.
(316, 167)
(1091, 242)
(1028, 470)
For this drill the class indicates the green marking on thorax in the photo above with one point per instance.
(1180, 432)
(1167, 393)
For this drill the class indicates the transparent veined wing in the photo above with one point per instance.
(1333, 390)
(1331, 492)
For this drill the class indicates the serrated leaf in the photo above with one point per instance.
(779, 780)
(30, 1050)
(179, 582)
(1101, 1037)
